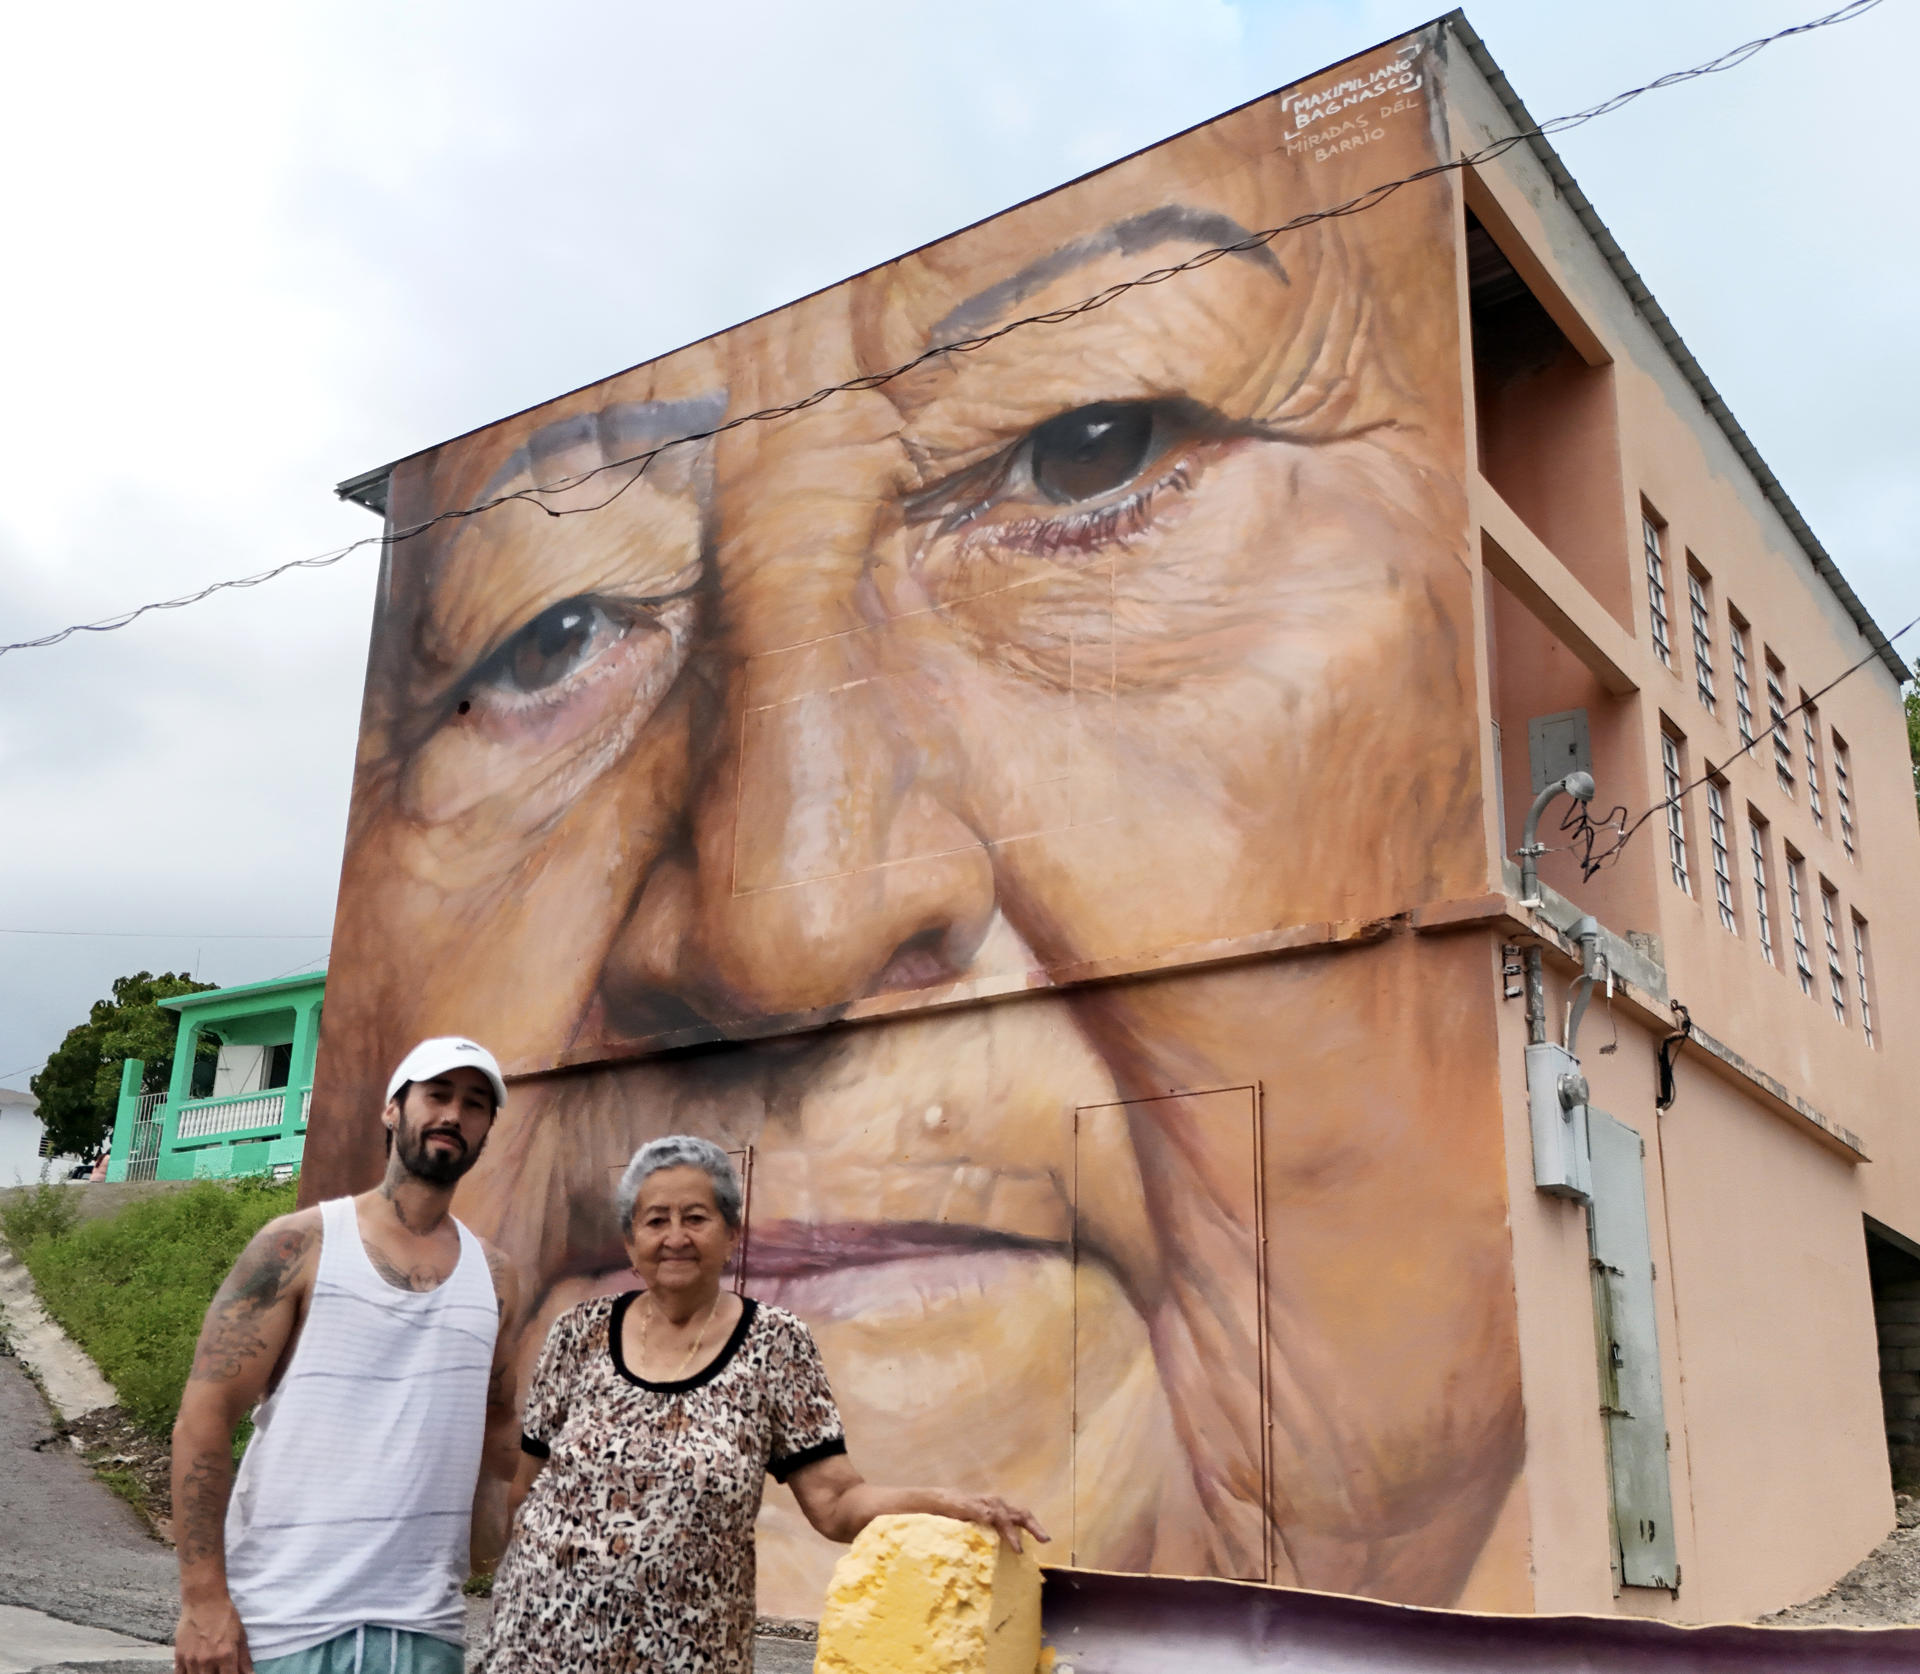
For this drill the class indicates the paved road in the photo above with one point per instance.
(67, 1546)
(77, 1554)
(783, 1656)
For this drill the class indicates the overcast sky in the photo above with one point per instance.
(253, 250)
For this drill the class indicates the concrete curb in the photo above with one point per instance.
(71, 1380)
(32, 1642)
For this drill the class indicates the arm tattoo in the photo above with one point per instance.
(262, 1276)
(200, 1507)
(500, 1382)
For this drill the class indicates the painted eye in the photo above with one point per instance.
(557, 643)
(1091, 451)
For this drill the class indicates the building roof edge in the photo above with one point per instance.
(240, 991)
(368, 489)
(1663, 329)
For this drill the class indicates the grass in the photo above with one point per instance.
(47, 1211)
(131, 1290)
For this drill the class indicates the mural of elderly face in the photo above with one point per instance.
(1096, 651)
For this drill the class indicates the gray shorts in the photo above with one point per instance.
(370, 1650)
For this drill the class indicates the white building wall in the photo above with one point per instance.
(20, 1159)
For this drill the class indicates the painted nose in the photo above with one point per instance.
(819, 866)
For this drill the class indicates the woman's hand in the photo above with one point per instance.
(999, 1514)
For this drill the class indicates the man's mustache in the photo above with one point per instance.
(444, 1133)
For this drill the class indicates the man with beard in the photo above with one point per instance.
(367, 1330)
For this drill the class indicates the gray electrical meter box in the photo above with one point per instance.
(1557, 1104)
(1556, 746)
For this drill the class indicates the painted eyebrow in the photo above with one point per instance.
(1128, 237)
(626, 427)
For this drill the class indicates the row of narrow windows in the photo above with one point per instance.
(1847, 951)
(1526, 374)
(1795, 739)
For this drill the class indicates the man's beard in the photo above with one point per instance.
(435, 1168)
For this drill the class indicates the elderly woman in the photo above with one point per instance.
(651, 1423)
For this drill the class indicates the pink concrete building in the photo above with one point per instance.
(1051, 806)
(1642, 567)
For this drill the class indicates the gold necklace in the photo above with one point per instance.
(646, 1327)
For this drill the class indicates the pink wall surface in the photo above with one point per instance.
(1775, 1340)
(1778, 1455)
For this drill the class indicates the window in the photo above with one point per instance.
(1673, 782)
(1810, 737)
(1843, 798)
(1702, 619)
(1796, 891)
(1742, 676)
(1722, 860)
(1836, 972)
(1676, 821)
(1860, 976)
(1757, 852)
(1777, 719)
(1656, 589)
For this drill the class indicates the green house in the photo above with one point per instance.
(245, 1111)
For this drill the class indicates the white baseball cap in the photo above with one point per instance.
(444, 1052)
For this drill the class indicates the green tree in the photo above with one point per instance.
(79, 1087)
(1913, 737)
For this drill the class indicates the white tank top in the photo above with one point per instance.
(352, 1505)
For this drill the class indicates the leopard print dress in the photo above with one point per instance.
(634, 1549)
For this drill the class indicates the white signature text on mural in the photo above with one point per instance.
(1347, 114)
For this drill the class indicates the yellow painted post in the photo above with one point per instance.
(928, 1595)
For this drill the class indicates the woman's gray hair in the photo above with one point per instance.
(680, 1150)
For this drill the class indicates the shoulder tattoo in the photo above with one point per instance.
(261, 1278)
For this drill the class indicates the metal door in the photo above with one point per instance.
(1629, 1351)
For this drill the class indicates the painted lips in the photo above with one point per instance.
(800, 1249)
(831, 1269)
(890, 1271)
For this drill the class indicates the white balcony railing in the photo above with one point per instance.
(306, 1105)
(212, 1116)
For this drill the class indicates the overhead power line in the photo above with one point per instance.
(185, 935)
(638, 463)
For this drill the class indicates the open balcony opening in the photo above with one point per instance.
(1545, 424)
